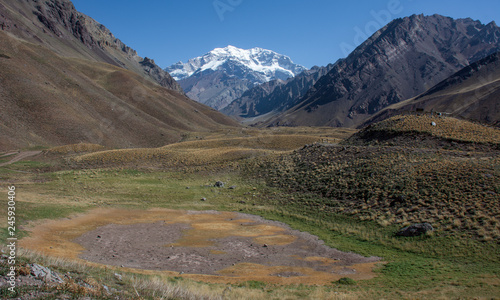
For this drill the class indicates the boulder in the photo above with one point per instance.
(219, 184)
(45, 273)
(415, 230)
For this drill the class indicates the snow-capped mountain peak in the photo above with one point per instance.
(256, 64)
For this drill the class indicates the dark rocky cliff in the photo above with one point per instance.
(275, 96)
(400, 61)
(56, 24)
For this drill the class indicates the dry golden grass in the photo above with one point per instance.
(161, 157)
(199, 152)
(453, 191)
(269, 142)
(75, 148)
(324, 133)
(446, 127)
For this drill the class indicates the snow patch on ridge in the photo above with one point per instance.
(266, 65)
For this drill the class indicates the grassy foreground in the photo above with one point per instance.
(443, 265)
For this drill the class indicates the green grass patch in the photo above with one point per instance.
(346, 281)
(28, 211)
(449, 266)
(253, 284)
(28, 165)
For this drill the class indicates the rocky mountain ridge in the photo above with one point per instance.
(275, 96)
(58, 25)
(471, 93)
(401, 60)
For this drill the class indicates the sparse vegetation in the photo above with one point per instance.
(444, 127)
(393, 185)
(429, 131)
(201, 152)
(354, 198)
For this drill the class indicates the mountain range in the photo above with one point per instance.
(224, 74)
(403, 59)
(65, 78)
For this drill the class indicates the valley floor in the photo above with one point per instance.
(454, 261)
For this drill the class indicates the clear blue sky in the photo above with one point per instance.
(315, 32)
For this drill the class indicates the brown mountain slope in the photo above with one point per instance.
(64, 79)
(46, 99)
(400, 61)
(471, 93)
(58, 26)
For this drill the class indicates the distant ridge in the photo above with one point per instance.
(274, 97)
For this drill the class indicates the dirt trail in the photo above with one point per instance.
(20, 156)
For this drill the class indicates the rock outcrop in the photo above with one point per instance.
(415, 230)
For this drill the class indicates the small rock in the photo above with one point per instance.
(433, 123)
(203, 199)
(415, 230)
(242, 202)
(265, 246)
(232, 187)
(106, 289)
(118, 276)
(219, 184)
